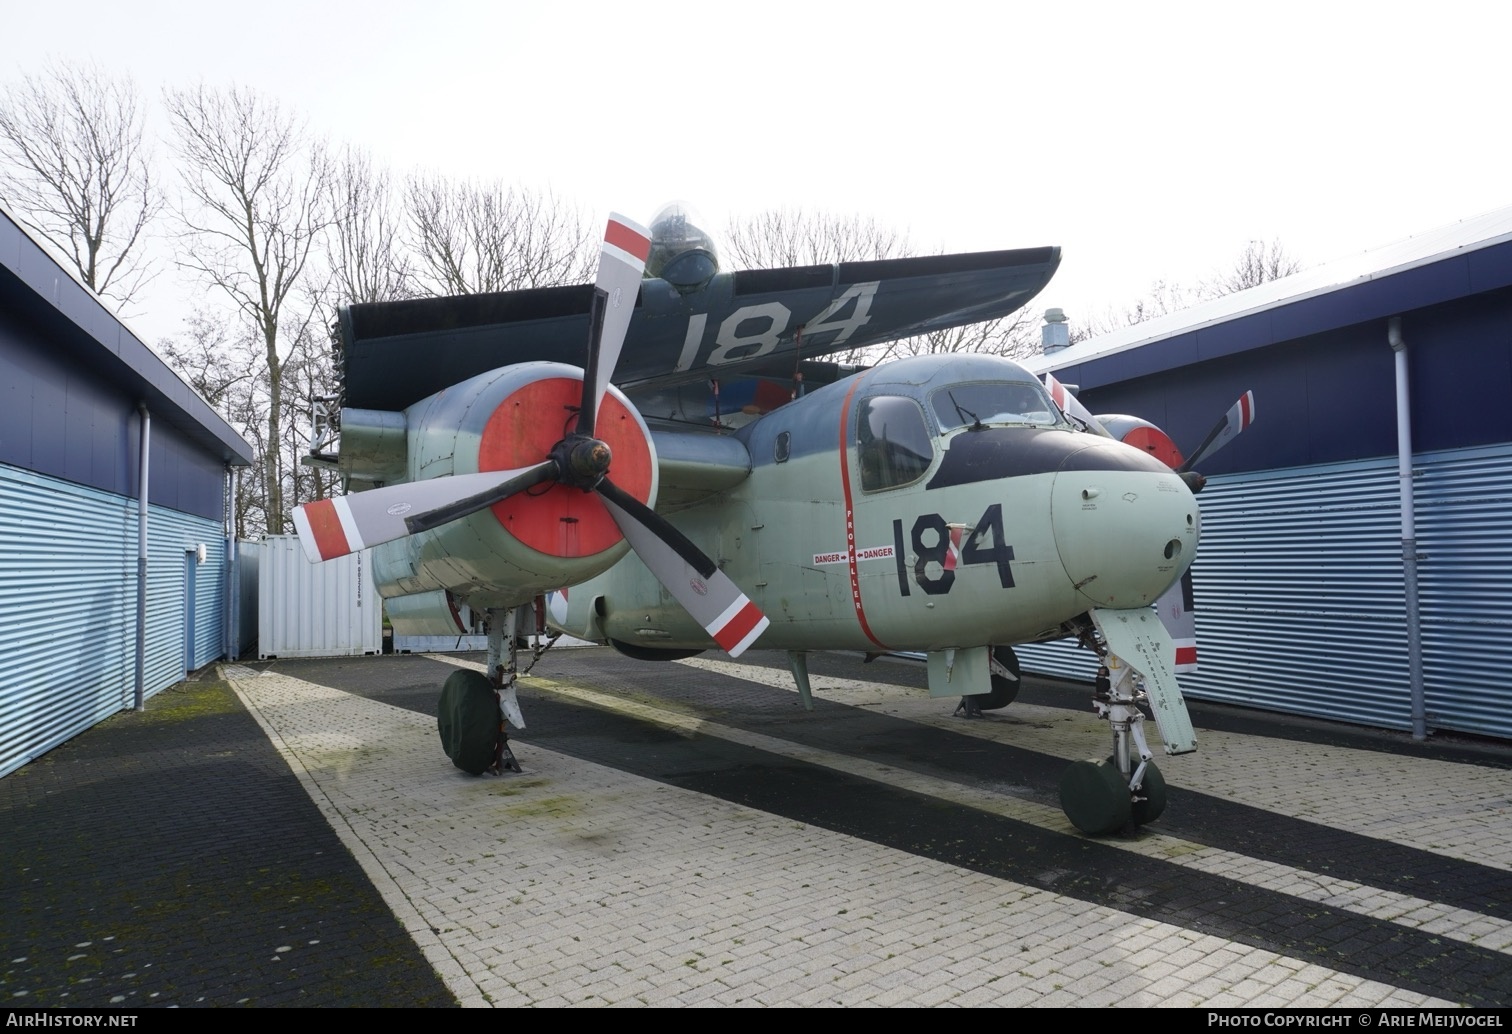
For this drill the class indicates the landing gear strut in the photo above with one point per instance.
(1005, 685)
(476, 710)
(1126, 789)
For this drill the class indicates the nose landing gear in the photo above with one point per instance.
(1101, 797)
(1126, 790)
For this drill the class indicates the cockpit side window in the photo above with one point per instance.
(894, 446)
(994, 402)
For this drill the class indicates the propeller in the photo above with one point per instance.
(330, 528)
(1071, 406)
(1240, 415)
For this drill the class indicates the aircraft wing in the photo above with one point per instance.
(395, 353)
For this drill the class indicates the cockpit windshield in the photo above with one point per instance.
(995, 403)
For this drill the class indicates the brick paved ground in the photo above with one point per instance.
(170, 857)
(684, 834)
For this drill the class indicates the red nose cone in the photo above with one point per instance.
(1155, 442)
(558, 520)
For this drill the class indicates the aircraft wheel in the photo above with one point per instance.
(1094, 797)
(1154, 792)
(1004, 691)
(468, 720)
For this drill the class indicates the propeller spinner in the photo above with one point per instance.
(335, 527)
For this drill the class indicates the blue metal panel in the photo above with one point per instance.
(68, 607)
(45, 312)
(1464, 516)
(1300, 605)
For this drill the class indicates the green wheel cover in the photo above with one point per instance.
(1154, 790)
(1094, 797)
(468, 719)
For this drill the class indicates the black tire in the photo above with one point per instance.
(1004, 691)
(468, 720)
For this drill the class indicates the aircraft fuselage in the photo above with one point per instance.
(869, 522)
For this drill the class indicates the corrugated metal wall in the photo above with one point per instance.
(68, 607)
(1300, 602)
(1464, 516)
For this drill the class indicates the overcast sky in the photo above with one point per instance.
(1150, 141)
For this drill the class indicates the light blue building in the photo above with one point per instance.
(90, 622)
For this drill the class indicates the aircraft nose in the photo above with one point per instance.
(1123, 535)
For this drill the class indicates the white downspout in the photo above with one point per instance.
(139, 699)
(1409, 533)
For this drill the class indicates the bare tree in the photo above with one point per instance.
(222, 360)
(470, 238)
(308, 376)
(256, 194)
(1259, 263)
(77, 171)
(795, 237)
(223, 370)
(365, 250)
(1014, 336)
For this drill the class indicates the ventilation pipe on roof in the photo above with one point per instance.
(139, 698)
(1055, 334)
(1409, 533)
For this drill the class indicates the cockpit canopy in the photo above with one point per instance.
(681, 253)
(992, 403)
(895, 446)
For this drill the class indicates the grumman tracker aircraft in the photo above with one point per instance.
(735, 492)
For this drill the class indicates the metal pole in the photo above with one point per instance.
(139, 697)
(230, 565)
(1417, 702)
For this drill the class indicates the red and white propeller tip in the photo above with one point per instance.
(331, 528)
(1238, 418)
(622, 260)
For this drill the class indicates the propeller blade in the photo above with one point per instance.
(329, 528)
(1240, 415)
(622, 260)
(704, 591)
(1071, 406)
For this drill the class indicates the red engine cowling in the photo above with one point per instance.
(534, 541)
(1142, 434)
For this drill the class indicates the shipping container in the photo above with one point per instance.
(330, 609)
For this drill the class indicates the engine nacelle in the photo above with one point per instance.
(1132, 430)
(534, 541)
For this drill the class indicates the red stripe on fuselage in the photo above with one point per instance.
(325, 525)
(621, 236)
(738, 627)
(850, 516)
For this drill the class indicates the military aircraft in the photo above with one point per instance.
(731, 489)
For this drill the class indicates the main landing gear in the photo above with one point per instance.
(1005, 685)
(1124, 790)
(476, 709)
